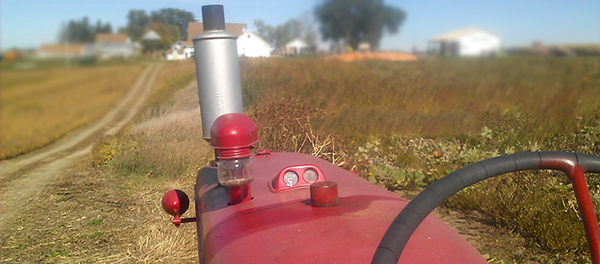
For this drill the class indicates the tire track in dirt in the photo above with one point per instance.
(33, 171)
(9, 167)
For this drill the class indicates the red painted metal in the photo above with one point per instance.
(282, 227)
(263, 152)
(239, 194)
(324, 194)
(175, 203)
(586, 207)
(233, 135)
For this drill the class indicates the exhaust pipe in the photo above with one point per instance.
(217, 69)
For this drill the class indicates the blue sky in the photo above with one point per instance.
(28, 23)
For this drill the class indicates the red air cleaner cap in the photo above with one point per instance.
(232, 135)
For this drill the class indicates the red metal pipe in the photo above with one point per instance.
(582, 194)
(586, 207)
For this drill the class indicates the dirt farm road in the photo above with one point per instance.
(23, 177)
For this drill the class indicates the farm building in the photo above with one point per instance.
(105, 46)
(108, 46)
(465, 42)
(175, 54)
(107, 38)
(152, 45)
(181, 50)
(195, 28)
(251, 45)
(295, 47)
(151, 35)
(60, 51)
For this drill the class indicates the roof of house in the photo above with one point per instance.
(60, 48)
(111, 38)
(454, 35)
(255, 36)
(296, 43)
(151, 35)
(187, 43)
(195, 28)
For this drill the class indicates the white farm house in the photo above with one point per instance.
(251, 45)
(180, 50)
(465, 42)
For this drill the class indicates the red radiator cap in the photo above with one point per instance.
(324, 194)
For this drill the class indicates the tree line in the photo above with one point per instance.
(169, 23)
(277, 36)
(82, 31)
(350, 22)
(355, 21)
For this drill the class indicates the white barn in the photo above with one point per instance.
(180, 50)
(466, 42)
(108, 46)
(251, 45)
(295, 47)
(174, 54)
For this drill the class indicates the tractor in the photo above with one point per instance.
(270, 207)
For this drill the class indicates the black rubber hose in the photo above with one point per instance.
(393, 242)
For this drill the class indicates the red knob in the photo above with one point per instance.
(175, 202)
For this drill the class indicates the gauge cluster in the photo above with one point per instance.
(296, 177)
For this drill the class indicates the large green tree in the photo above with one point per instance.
(174, 17)
(82, 31)
(284, 33)
(266, 32)
(138, 21)
(168, 34)
(356, 21)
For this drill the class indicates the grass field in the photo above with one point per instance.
(170, 123)
(403, 125)
(113, 214)
(39, 106)
(444, 97)
(400, 125)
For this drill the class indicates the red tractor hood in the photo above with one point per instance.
(283, 227)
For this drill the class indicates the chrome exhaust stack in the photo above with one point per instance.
(217, 69)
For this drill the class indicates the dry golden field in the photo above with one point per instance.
(113, 212)
(39, 106)
(400, 125)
